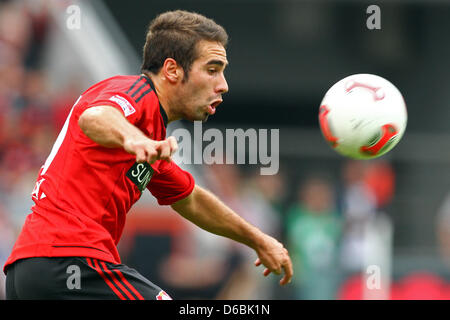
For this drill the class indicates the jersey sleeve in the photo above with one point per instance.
(118, 100)
(171, 183)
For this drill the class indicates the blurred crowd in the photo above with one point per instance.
(322, 221)
(31, 113)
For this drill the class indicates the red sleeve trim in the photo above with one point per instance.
(173, 199)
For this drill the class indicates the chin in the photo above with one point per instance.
(200, 117)
(205, 118)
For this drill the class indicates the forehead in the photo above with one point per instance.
(211, 51)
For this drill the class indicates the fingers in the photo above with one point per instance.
(167, 148)
(288, 273)
(143, 152)
(285, 280)
(152, 156)
(141, 156)
(288, 269)
(280, 262)
(173, 144)
(266, 271)
(147, 150)
(163, 149)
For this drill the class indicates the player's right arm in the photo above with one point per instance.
(109, 128)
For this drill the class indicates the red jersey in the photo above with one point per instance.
(84, 191)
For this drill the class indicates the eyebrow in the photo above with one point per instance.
(218, 62)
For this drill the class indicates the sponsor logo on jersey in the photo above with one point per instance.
(140, 174)
(124, 104)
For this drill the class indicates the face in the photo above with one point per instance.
(202, 92)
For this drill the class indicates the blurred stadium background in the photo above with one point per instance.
(344, 222)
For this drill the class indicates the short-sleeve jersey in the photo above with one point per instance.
(84, 190)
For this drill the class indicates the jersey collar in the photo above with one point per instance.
(161, 109)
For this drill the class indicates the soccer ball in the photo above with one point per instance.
(363, 116)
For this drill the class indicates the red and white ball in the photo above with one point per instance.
(363, 116)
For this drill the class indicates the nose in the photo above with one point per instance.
(222, 86)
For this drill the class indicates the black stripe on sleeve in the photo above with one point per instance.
(138, 89)
(134, 84)
(143, 94)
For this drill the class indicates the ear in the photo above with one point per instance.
(172, 71)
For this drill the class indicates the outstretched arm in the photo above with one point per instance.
(208, 212)
(108, 127)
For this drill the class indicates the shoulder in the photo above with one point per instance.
(126, 91)
(137, 89)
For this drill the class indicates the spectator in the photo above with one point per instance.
(358, 208)
(260, 198)
(313, 230)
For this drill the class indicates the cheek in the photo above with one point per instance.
(187, 93)
(198, 90)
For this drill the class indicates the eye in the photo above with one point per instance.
(212, 70)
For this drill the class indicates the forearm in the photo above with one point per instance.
(106, 126)
(209, 213)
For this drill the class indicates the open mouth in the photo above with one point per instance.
(212, 106)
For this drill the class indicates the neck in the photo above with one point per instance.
(163, 95)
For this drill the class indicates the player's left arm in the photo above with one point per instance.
(208, 212)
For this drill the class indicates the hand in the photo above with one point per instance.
(147, 150)
(275, 258)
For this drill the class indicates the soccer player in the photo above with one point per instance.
(111, 148)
